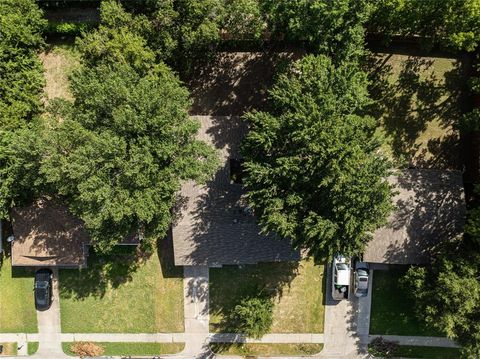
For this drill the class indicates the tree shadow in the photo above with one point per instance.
(166, 257)
(418, 103)
(430, 210)
(232, 83)
(103, 272)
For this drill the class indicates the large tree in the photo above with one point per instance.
(122, 149)
(331, 27)
(21, 74)
(447, 294)
(455, 23)
(314, 172)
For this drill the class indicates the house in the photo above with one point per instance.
(46, 234)
(214, 225)
(429, 209)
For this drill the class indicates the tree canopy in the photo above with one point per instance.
(121, 150)
(21, 74)
(447, 295)
(314, 174)
(334, 28)
(455, 23)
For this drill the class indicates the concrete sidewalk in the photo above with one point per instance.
(364, 305)
(196, 297)
(418, 341)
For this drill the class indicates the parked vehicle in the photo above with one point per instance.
(340, 277)
(361, 278)
(43, 289)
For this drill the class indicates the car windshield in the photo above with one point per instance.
(41, 285)
(342, 266)
(362, 272)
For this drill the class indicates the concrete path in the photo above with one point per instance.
(340, 326)
(195, 290)
(418, 341)
(364, 305)
(268, 338)
(49, 328)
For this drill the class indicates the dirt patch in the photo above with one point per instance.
(235, 82)
(58, 63)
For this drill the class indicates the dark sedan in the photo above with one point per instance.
(43, 289)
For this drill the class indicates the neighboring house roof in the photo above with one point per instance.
(430, 209)
(214, 226)
(47, 234)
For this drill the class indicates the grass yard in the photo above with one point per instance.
(59, 61)
(418, 102)
(297, 290)
(32, 348)
(9, 349)
(392, 312)
(406, 351)
(123, 349)
(248, 350)
(17, 307)
(125, 292)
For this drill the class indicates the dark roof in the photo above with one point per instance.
(214, 225)
(430, 209)
(47, 234)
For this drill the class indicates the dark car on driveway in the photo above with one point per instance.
(43, 289)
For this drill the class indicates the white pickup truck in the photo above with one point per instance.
(340, 277)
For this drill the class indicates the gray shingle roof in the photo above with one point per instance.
(430, 208)
(214, 225)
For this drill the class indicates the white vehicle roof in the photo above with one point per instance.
(343, 277)
(343, 270)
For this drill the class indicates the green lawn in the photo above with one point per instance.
(427, 352)
(32, 348)
(392, 312)
(248, 350)
(125, 292)
(17, 307)
(122, 349)
(9, 349)
(418, 103)
(297, 288)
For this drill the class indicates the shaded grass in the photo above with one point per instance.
(297, 290)
(32, 348)
(265, 349)
(418, 103)
(406, 351)
(9, 349)
(125, 292)
(121, 349)
(392, 311)
(17, 307)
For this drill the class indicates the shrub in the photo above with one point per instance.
(253, 316)
(471, 121)
(475, 85)
(85, 349)
(69, 28)
(380, 347)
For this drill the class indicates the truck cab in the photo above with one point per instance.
(341, 273)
